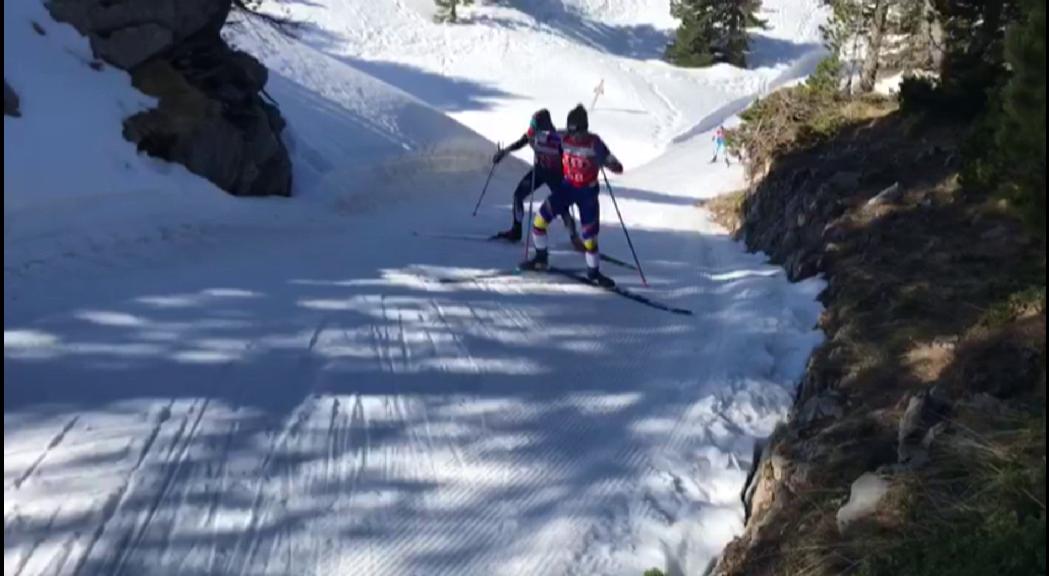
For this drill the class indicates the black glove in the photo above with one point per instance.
(498, 157)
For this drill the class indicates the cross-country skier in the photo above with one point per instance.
(546, 142)
(721, 146)
(583, 156)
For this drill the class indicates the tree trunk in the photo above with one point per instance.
(454, 15)
(934, 36)
(872, 61)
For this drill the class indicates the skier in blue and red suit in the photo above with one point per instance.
(583, 155)
(545, 140)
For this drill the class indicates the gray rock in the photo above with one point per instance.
(933, 434)
(767, 474)
(12, 104)
(131, 32)
(867, 495)
(845, 181)
(912, 423)
(133, 46)
(918, 427)
(211, 117)
(996, 234)
(820, 408)
(891, 195)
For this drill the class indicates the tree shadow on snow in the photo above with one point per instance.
(766, 51)
(642, 42)
(442, 92)
(446, 93)
(378, 422)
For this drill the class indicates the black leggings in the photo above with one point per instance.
(525, 189)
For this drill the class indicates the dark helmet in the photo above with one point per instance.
(578, 120)
(542, 121)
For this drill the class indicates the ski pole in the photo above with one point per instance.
(625, 230)
(531, 209)
(485, 191)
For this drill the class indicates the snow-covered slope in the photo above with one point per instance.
(201, 386)
(74, 189)
(519, 55)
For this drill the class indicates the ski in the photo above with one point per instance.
(617, 290)
(570, 274)
(575, 275)
(496, 275)
(461, 237)
(496, 240)
(617, 262)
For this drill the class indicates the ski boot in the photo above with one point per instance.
(600, 280)
(513, 235)
(540, 263)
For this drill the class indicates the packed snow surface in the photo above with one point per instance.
(196, 385)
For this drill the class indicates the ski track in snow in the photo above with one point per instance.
(213, 387)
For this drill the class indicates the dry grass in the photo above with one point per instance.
(727, 209)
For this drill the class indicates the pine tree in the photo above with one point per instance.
(871, 35)
(974, 59)
(919, 25)
(713, 31)
(735, 18)
(1021, 138)
(448, 10)
(692, 44)
(841, 34)
(877, 28)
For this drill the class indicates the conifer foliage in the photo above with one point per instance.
(713, 31)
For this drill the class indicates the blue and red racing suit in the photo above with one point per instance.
(583, 155)
(547, 171)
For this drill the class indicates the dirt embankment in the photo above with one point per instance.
(932, 380)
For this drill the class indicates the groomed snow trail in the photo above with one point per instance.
(284, 389)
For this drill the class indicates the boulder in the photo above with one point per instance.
(891, 195)
(211, 116)
(12, 105)
(820, 408)
(917, 430)
(211, 120)
(129, 33)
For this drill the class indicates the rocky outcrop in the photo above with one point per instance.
(212, 116)
(12, 106)
(129, 33)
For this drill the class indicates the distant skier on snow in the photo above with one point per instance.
(583, 156)
(546, 142)
(721, 146)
